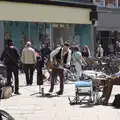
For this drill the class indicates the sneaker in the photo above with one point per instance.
(17, 93)
(60, 92)
(51, 90)
(105, 102)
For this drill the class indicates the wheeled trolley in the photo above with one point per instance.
(84, 92)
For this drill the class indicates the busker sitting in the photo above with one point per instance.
(115, 80)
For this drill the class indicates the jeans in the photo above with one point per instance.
(29, 70)
(39, 76)
(12, 69)
(78, 68)
(56, 72)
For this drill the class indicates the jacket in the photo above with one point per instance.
(28, 56)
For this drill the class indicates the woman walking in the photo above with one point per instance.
(77, 61)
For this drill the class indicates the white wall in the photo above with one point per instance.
(43, 13)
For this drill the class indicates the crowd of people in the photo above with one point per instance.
(61, 57)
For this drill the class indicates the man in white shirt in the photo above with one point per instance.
(61, 58)
(29, 60)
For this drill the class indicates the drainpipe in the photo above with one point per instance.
(29, 31)
(51, 36)
(1, 36)
(93, 19)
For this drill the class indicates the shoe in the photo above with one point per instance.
(51, 90)
(60, 92)
(44, 77)
(17, 93)
(105, 102)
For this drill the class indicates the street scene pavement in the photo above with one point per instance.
(31, 106)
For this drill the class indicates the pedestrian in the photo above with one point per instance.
(100, 51)
(28, 59)
(118, 49)
(11, 58)
(39, 70)
(60, 58)
(110, 49)
(45, 54)
(78, 60)
(86, 51)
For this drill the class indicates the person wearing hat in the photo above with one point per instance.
(11, 57)
(28, 59)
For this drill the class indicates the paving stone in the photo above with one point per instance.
(36, 107)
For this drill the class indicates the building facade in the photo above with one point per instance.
(107, 28)
(43, 22)
(108, 25)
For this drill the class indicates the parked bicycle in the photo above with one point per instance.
(5, 116)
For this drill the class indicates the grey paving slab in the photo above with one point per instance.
(36, 107)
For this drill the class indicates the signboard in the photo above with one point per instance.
(101, 3)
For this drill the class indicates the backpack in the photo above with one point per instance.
(116, 102)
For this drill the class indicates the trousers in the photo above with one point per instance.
(54, 73)
(29, 70)
(12, 69)
(109, 86)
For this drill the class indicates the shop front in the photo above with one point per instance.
(44, 22)
(108, 28)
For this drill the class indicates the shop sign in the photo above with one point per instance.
(61, 25)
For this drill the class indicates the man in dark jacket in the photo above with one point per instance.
(10, 57)
(45, 54)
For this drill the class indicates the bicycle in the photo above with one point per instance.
(5, 116)
(70, 73)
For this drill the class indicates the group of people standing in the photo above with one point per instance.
(61, 57)
(11, 59)
(111, 49)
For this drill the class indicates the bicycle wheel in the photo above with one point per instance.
(69, 76)
(5, 116)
